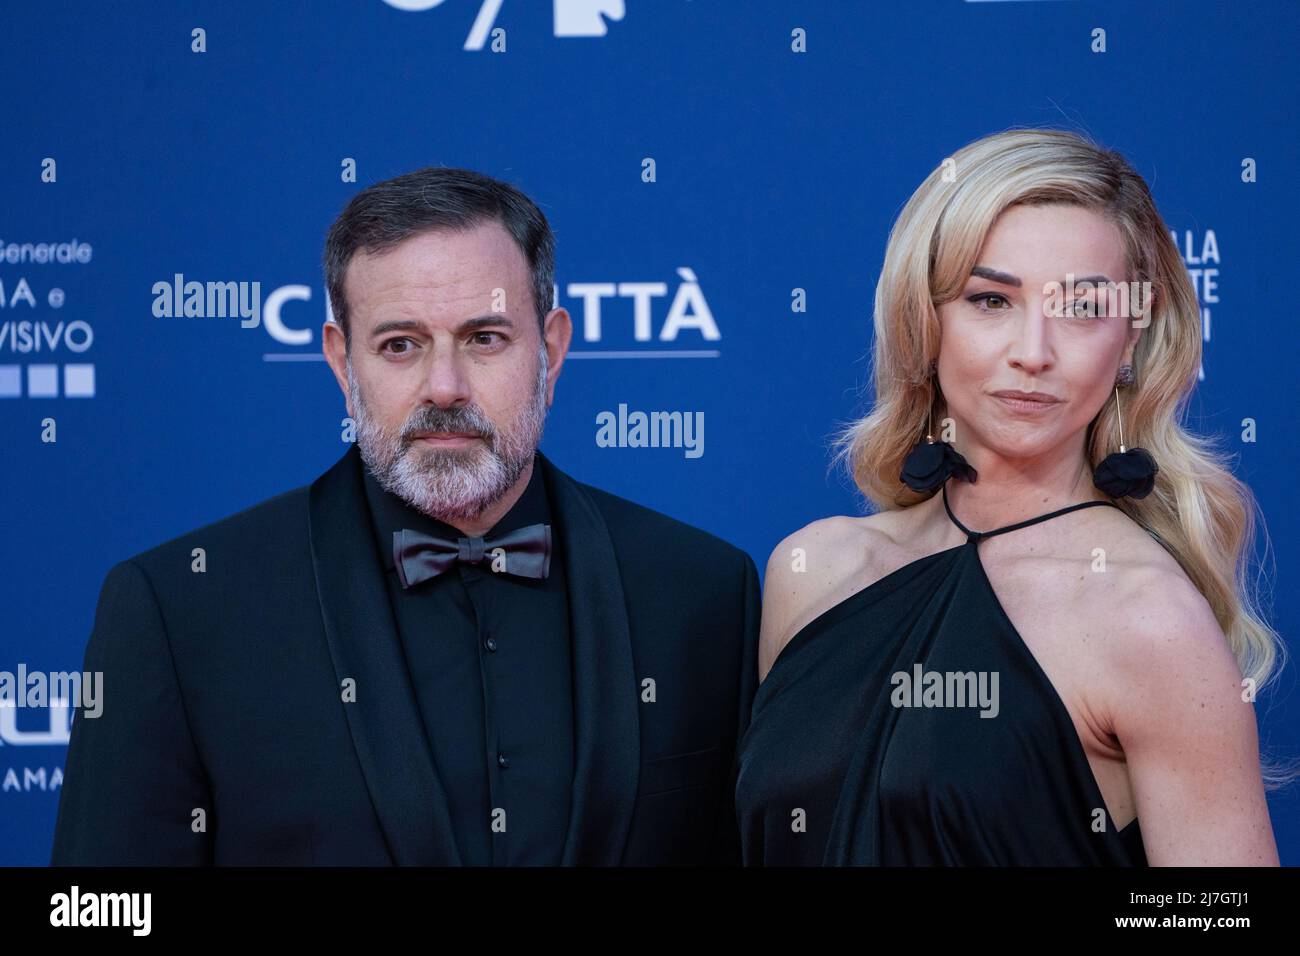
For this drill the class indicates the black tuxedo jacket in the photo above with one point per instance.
(226, 738)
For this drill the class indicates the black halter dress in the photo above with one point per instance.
(868, 743)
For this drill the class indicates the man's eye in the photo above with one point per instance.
(986, 297)
(479, 341)
(401, 351)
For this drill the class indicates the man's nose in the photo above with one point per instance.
(446, 383)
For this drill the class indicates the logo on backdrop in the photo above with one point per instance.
(1201, 256)
(32, 328)
(55, 698)
(25, 778)
(636, 319)
(573, 18)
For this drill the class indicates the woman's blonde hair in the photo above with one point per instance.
(1199, 511)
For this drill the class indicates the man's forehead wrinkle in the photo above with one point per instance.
(443, 277)
(442, 285)
(420, 297)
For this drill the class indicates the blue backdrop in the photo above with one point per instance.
(775, 170)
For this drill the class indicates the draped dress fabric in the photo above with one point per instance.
(834, 770)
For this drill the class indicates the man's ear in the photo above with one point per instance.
(336, 353)
(557, 333)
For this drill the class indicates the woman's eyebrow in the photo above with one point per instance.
(984, 272)
(1006, 278)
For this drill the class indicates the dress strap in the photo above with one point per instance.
(973, 536)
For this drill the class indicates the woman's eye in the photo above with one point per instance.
(981, 302)
(1082, 309)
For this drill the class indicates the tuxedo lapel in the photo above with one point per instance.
(384, 719)
(607, 749)
(385, 722)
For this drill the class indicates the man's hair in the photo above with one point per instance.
(389, 212)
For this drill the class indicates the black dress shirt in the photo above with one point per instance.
(489, 658)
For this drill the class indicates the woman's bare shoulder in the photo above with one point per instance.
(1131, 570)
(1124, 591)
(813, 569)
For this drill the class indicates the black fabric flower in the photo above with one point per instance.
(1131, 473)
(930, 464)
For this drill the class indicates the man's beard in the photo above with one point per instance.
(451, 483)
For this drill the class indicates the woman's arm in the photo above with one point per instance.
(1190, 739)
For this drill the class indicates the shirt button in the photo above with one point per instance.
(502, 762)
(491, 644)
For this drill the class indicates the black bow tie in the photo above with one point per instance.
(525, 552)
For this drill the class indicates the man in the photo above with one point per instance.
(444, 650)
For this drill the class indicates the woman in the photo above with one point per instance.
(1086, 656)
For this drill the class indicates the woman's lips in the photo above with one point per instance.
(1027, 401)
